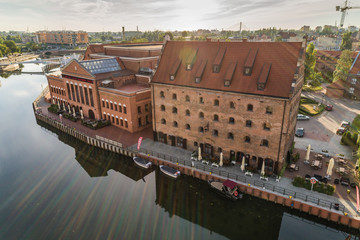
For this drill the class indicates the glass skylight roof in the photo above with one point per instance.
(101, 65)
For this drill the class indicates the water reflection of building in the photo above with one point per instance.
(97, 162)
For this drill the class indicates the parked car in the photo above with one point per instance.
(302, 117)
(329, 107)
(340, 131)
(345, 124)
(300, 132)
(345, 181)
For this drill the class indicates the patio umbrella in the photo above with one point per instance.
(263, 169)
(69, 108)
(243, 164)
(221, 159)
(82, 115)
(330, 167)
(74, 113)
(307, 157)
(199, 155)
(64, 106)
(59, 104)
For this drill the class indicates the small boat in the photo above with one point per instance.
(227, 189)
(171, 172)
(142, 162)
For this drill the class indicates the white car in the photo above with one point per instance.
(302, 117)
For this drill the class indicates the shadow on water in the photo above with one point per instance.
(191, 199)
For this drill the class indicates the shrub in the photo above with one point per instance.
(70, 117)
(318, 187)
(53, 108)
(356, 122)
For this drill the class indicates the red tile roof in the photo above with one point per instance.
(356, 68)
(282, 56)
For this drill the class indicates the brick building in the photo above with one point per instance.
(104, 89)
(62, 37)
(136, 57)
(352, 86)
(238, 98)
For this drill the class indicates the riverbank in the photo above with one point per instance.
(310, 202)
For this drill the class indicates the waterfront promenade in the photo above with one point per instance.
(182, 158)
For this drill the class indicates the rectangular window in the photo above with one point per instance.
(103, 103)
(139, 120)
(77, 93)
(107, 105)
(113, 119)
(115, 107)
(139, 109)
(73, 92)
(111, 106)
(81, 94)
(146, 107)
(117, 120)
(68, 88)
(126, 124)
(120, 108)
(105, 116)
(91, 97)
(86, 96)
(121, 122)
(125, 109)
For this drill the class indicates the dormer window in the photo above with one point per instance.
(216, 69)
(227, 83)
(172, 77)
(261, 86)
(247, 71)
(188, 67)
(197, 80)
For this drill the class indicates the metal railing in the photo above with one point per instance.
(240, 178)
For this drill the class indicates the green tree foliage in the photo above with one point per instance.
(310, 62)
(326, 30)
(12, 46)
(184, 33)
(343, 66)
(346, 43)
(278, 39)
(356, 123)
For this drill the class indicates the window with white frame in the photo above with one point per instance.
(353, 81)
(351, 90)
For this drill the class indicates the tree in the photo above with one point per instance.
(184, 33)
(12, 46)
(343, 66)
(278, 39)
(346, 43)
(310, 62)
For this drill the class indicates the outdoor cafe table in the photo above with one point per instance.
(292, 166)
(341, 170)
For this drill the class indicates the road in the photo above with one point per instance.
(320, 131)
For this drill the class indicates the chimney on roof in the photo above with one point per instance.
(123, 33)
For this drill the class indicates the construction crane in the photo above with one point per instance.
(343, 10)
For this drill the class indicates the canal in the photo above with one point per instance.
(53, 186)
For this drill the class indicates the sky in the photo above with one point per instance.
(149, 15)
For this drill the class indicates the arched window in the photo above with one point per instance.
(187, 112)
(163, 108)
(215, 133)
(187, 126)
(216, 102)
(267, 126)
(250, 107)
(201, 129)
(175, 124)
(163, 121)
(174, 96)
(248, 123)
(187, 98)
(247, 139)
(216, 118)
(230, 135)
(269, 110)
(174, 110)
(201, 115)
(231, 120)
(162, 95)
(232, 105)
(264, 143)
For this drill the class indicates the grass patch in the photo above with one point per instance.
(307, 107)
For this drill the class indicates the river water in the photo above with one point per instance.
(55, 187)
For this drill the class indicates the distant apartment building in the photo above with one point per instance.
(62, 37)
(112, 83)
(305, 29)
(235, 98)
(332, 29)
(318, 29)
(327, 43)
